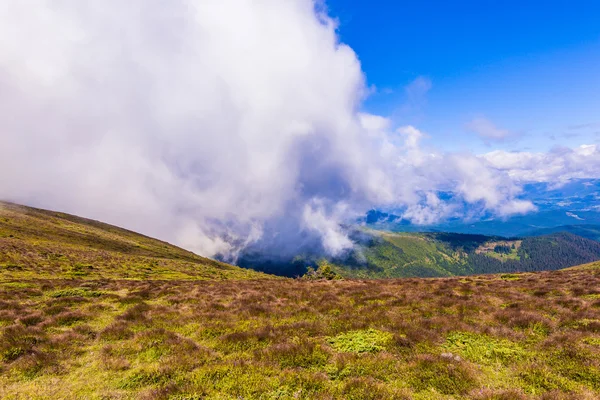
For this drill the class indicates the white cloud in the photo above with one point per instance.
(210, 123)
(487, 130)
(557, 166)
(316, 218)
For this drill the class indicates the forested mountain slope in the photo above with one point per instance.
(390, 255)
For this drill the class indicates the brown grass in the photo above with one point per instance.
(271, 339)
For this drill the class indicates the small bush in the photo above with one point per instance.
(445, 375)
(17, 340)
(368, 389)
(324, 271)
(118, 330)
(300, 353)
(112, 360)
(135, 313)
(70, 318)
(539, 378)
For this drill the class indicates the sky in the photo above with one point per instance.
(222, 124)
(529, 68)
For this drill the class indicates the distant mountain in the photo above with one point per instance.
(393, 255)
(591, 232)
(45, 244)
(522, 225)
(576, 202)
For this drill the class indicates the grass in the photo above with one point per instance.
(362, 341)
(44, 244)
(92, 311)
(483, 349)
(443, 338)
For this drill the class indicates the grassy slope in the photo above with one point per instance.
(398, 255)
(484, 337)
(67, 335)
(408, 254)
(44, 244)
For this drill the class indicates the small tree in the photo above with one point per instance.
(324, 271)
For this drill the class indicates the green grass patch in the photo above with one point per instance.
(538, 379)
(484, 349)
(441, 375)
(363, 341)
(594, 341)
(510, 277)
(75, 292)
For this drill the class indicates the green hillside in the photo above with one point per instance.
(37, 243)
(395, 255)
(91, 311)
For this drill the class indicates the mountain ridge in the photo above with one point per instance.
(50, 244)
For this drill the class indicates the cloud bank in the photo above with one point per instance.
(557, 166)
(213, 124)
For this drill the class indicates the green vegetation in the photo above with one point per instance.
(480, 337)
(399, 255)
(44, 244)
(363, 341)
(128, 317)
(324, 271)
(484, 349)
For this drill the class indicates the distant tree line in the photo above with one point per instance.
(542, 253)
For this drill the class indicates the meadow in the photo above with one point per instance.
(511, 336)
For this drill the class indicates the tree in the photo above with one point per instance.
(325, 271)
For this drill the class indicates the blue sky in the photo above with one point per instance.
(527, 68)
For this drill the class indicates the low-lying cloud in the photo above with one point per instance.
(214, 124)
(557, 166)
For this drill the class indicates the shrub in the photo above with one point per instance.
(118, 330)
(17, 340)
(135, 313)
(539, 378)
(112, 360)
(299, 353)
(70, 318)
(368, 389)
(445, 375)
(323, 272)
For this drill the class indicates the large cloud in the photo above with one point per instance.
(209, 123)
(557, 166)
